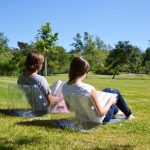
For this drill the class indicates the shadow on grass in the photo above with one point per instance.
(68, 124)
(117, 147)
(5, 147)
(5, 112)
(28, 113)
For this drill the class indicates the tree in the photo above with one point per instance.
(147, 55)
(62, 58)
(148, 67)
(89, 44)
(146, 60)
(3, 40)
(100, 43)
(59, 61)
(3, 43)
(94, 50)
(119, 56)
(4, 54)
(16, 62)
(4, 62)
(134, 59)
(97, 59)
(45, 41)
(83, 45)
(78, 44)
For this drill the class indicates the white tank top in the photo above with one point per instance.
(80, 88)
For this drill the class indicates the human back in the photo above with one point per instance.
(35, 79)
(80, 89)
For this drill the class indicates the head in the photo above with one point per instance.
(34, 61)
(78, 68)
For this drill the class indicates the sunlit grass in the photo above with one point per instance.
(32, 134)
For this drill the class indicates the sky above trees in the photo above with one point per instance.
(112, 21)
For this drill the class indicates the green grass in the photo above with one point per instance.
(33, 134)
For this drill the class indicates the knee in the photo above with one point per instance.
(116, 91)
(107, 90)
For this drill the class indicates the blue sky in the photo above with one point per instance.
(111, 20)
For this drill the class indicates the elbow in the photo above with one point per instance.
(101, 114)
(55, 100)
(52, 100)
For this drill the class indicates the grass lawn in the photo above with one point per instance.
(34, 134)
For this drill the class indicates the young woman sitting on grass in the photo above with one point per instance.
(30, 76)
(79, 67)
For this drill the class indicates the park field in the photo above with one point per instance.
(18, 133)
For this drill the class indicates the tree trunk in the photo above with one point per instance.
(114, 76)
(115, 72)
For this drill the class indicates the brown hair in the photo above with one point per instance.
(78, 67)
(34, 61)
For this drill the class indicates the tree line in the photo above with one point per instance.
(103, 59)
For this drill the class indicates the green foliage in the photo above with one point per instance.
(63, 59)
(146, 60)
(89, 44)
(100, 43)
(4, 62)
(3, 40)
(86, 44)
(123, 58)
(125, 54)
(58, 62)
(4, 54)
(93, 50)
(11, 62)
(16, 64)
(78, 44)
(45, 42)
(147, 54)
(45, 39)
(96, 58)
(135, 60)
(118, 56)
(148, 67)
(104, 71)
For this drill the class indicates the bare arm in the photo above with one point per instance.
(104, 110)
(52, 100)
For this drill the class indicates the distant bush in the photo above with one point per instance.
(60, 71)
